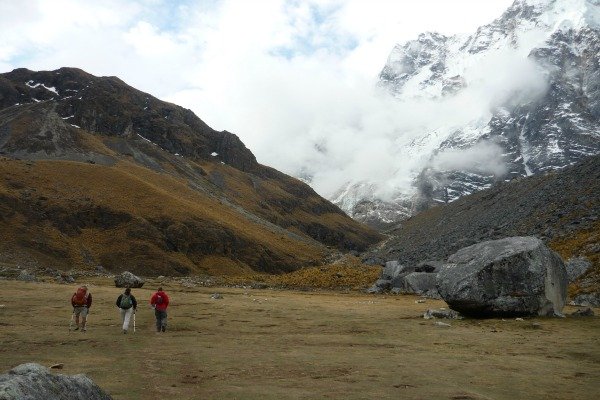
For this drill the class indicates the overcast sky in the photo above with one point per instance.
(267, 70)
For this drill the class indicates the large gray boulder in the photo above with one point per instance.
(127, 279)
(515, 276)
(35, 382)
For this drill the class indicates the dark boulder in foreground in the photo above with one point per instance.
(35, 382)
(516, 276)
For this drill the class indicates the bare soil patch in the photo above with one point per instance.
(268, 344)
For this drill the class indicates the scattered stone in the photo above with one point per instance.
(519, 319)
(380, 286)
(25, 276)
(64, 278)
(391, 270)
(577, 267)
(35, 382)
(420, 301)
(442, 313)
(390, 273)
(418, 283)
(516, 276)
(259, 285)
(584, 312)
(442, 324)
(586, 300)
(188, 283)
(216, 296)
(100, 269)
(57, 366)
(536, 325)
(127, 279)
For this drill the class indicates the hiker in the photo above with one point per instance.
(160, 301)
(127, 306)
(81, 302)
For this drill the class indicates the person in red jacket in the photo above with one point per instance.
(160, 301)
(81, 302)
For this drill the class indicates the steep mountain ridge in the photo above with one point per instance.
(545, 119)
(98, 173)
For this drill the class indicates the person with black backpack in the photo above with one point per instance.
(160, 301)
(127, 305)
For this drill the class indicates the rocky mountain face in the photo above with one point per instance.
(560, 207)
(95, 172)
(544, 116)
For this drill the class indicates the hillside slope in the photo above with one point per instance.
(560, 207)
(95, 172)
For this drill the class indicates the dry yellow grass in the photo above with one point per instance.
(129, 190)
(348, 273)
(296, 345)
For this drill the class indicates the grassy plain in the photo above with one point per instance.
(271, 344)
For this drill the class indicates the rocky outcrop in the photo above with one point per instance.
(415, 283)
(515, 276)
(35, 382)
(586, 300)
(576, 267)
(391, 271)
(401, 279)
(127, 279)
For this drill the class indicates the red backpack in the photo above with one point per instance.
(80, 297)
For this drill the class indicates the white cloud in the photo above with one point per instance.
(485, 157)
(294, 79)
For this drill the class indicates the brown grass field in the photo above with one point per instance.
(270, 344)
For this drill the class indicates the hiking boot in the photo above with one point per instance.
(164, 328)
(76, 328)
(124, 331)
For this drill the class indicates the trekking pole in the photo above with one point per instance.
(133, 321)
(71, 323)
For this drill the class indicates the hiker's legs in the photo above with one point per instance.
(77, 312)
(126, 317)
(84, 313)
(158, 320)
(161, 320)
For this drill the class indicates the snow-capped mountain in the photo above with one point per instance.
(527, 87)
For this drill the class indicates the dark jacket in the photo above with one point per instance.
(133, 302)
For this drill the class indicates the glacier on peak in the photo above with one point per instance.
(523, 91)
